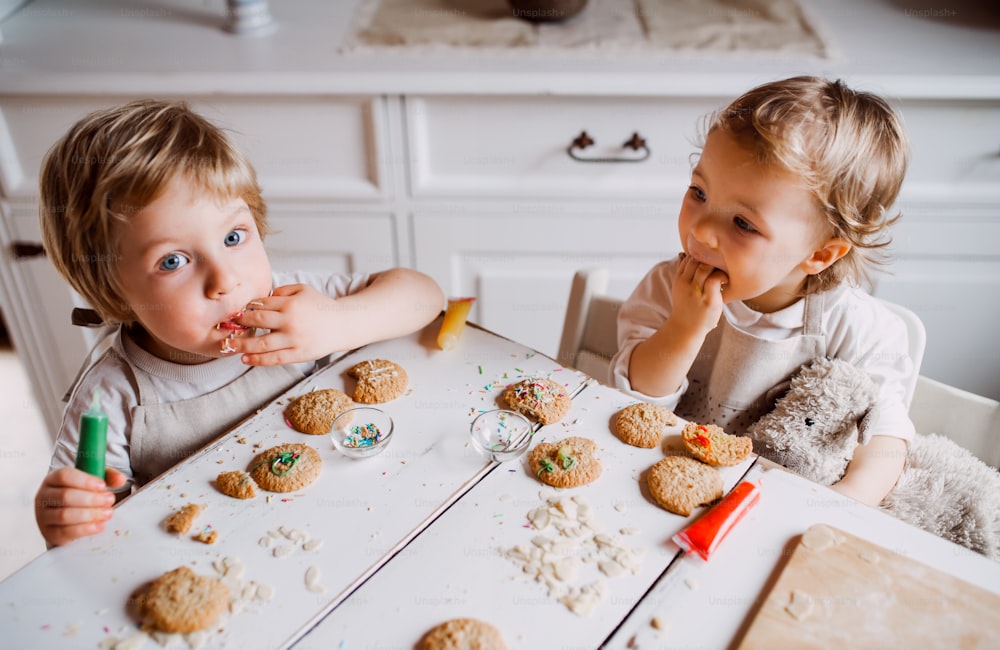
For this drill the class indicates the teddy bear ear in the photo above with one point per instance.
(867, 424)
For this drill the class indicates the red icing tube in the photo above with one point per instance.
(704, 536)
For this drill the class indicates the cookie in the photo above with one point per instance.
(180, 521)
(567, 463)
(680, 484)
(540, 398)
(183, 601)
(378, 381)
(314, 412)
(462, 634)
(237, 484)
(710, 444)
(286, 468)
(206, 536)
(641, 425)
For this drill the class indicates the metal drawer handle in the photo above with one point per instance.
(25, 250)
(635, 143)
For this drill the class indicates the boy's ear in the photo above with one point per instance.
(829, 252)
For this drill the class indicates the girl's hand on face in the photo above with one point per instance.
(71, 504)
(697, 295)
(301, 321)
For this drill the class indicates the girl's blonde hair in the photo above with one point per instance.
(848, 147)
(112, 164)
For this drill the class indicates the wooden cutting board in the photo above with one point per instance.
(838, 590)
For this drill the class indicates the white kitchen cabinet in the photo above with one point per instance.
(457, 163)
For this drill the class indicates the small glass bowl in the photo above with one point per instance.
(501, 435)
(362, 432)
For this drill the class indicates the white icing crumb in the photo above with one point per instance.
(568, 538)
(800, 605)
(312, 580)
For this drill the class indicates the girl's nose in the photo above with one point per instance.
(703, 230)
(221, 280)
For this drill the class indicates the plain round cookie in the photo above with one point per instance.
(567, 463)
(378, 381)
(314, 412)
(710, 444)
(237, 484)
(540, 398)
(641, 425)
(286, 468)
(462, 634)
(183, 601)
(680, 484)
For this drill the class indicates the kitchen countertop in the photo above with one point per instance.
(178, 46)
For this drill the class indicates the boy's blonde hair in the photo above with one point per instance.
(112, 164)
(848, 147)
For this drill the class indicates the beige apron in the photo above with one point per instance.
(165, 434)
(737, 377)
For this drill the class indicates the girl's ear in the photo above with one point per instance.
(829, 252)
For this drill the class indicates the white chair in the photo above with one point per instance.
(971, 420)
(590, 329)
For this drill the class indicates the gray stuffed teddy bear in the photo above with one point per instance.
(827, 412)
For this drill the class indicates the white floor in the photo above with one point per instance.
(25, 448)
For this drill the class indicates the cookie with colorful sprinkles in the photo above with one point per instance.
(710, 444)
(539, 398)
(565, 464)
(462, 634)
(286, 468)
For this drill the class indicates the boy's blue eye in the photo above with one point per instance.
(173, 261)
(743, 224)
(697, 192)
(235, 237)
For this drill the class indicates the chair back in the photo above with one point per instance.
(590, 328)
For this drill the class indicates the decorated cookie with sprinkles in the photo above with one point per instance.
(642, 424)
(378, 381)
(462, 634)
(710, 444)
(314, 412)
(567, 463)
(540, 398)
(286, 468)
(183, 601)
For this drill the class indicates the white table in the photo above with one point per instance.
(415, 535)
(363, 510)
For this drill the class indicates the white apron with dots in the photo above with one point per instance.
(737, 377)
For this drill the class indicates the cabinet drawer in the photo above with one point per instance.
(520, 265)
(955, 150)
(503, 146)
(302, 146)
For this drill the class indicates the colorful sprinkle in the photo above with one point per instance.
(363, 435)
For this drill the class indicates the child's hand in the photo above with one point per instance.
(302, 323)
(71, 504)
(697, 295)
